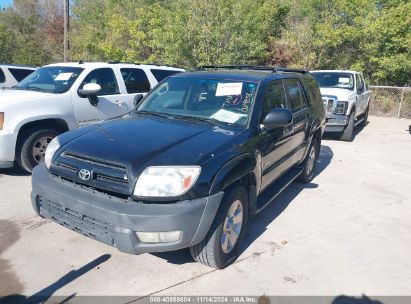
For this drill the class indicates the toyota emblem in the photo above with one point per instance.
(84, 174)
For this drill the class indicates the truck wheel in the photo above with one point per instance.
(364, 122)
(348, 132)
(220, 246)
(32, 147)
(309, 163)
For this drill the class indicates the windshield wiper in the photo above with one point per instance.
(210, 121)
(155, 114)
(37, 89)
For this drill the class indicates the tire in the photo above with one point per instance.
(32, 147)
(348, 133)
(364, 122)
(212, 250)
(310, 162)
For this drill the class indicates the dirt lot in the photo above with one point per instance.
(346, 233)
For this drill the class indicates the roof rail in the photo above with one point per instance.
(253, 67)
(139, 63)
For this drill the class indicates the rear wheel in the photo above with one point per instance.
(310, 163)
(348, 133)
(220, 246)
(32, 147)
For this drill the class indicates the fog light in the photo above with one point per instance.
(159, 237)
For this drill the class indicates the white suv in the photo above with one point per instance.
(346, 100)
(10, 75)
(60, 97)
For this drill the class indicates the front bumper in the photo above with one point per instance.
(115, 221)
(336, 123)
(7, 149)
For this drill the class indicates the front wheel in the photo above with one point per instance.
(220, 246)
(348, 133)
(32, 147)
(363, 123)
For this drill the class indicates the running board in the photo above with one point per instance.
(272, 191)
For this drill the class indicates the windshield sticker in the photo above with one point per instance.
(233, 99)
(229, 88)
(63, 77)
(246, 102)
(344, 80)
(227, 116)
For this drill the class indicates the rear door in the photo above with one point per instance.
(298, 104)
(136, 82)
(276, 144)
(111, 102)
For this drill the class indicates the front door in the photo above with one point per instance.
(111, 102)
(276, 144)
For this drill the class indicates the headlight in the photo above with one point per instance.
(52, 147)
(166, 181)
(341, 107)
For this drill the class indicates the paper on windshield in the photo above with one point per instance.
(229, 88)
(63, 76)
(344, 80)
(227, 116)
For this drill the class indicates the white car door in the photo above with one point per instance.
(365, 94)
(112, 102)
(359, 87)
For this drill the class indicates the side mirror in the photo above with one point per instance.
(137, 99)
(90, 90)
(277, 118)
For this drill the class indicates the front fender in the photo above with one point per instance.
(232, 171)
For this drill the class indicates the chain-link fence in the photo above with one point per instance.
(390, 101)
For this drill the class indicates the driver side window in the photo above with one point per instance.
(106, 78)
(274, 97)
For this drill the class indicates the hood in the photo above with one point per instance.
(341, 94)
(145, 140)
(10, 96)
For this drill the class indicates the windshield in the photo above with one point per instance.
(212, 100)
(335, 80)
(52, 79)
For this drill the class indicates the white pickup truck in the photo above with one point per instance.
(346, 100)
(60, 97)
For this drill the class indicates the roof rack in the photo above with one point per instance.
(139, 63)
(253, 67)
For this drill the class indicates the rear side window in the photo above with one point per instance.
(136, 80)
(161, 74)
(105, 78)
(2, 77)
(274, 97)
(20, 74)
(295, 94)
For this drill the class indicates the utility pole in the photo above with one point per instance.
(66, 30)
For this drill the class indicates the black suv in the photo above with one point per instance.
(201, 153)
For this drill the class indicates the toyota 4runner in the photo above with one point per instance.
(201, 153)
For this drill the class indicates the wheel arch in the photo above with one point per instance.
(58, 124)
(238, 171)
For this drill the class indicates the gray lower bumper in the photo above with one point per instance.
(336, 123)
(7, 164)
(115, 222)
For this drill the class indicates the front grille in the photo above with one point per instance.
(94, 161)
(106, 176)
(88, 226)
